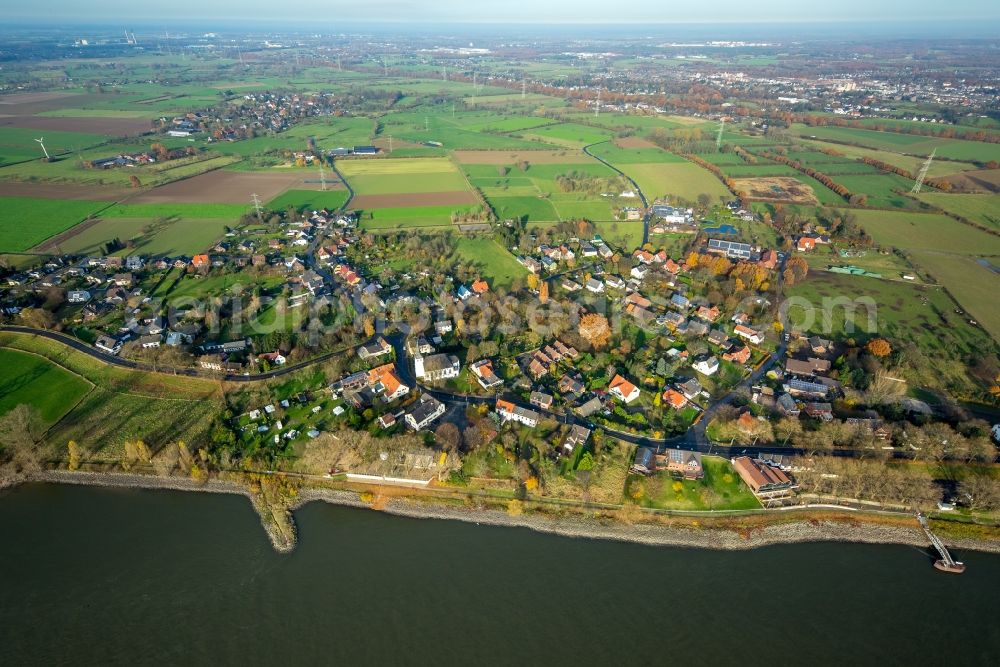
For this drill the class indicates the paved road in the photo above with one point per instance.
(645, 204)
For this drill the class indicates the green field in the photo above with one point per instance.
(185, 210)
(973, 285)
(926, 231)
(48, 388)
(18, 144)
(411, 216)
(911, 163)
(27, 221)
(882, 190)
(534, 209)
(569, 134)
(955, 149)
(176, 236)
(619, 156)
(682, 179)
(984, 209)
(309, 200)
(495, 264)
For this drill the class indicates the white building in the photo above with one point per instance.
(436, 367)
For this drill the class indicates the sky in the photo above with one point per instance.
(505, 11)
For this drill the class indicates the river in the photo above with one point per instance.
(93, 576)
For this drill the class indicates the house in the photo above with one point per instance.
(78, 296)
(787, 406)
(571, 285)
(375, 349)
(587, 250)
(737, 356)
(595, 286)
(577, 436)
(808, 367)
(678, 300)
(805, 244)
(678, 461)
(483, 371)
(480, 287)
(570, 386)
(690, 388)
(821, 411)
(674, 399)
(436, 367)
(751, 335)
(731, 249)
(149, 341)
(427, 409)
(672, 267)
(638, 300)
(706, 365)
(464, 293)
(820, 345)
(419, 345)
(639, 272)
(126, 280)
(707, 314)
(644, 462)
(108, 344)
(510, 412)
(386, 383)
(540, 400)
(761, 477)
(201, 261)
(176, 338)
(623, 389)
(769, 259)
(442, 327)
(274, 358)
(531, 264)
(590, 407)
(800, 387)
(387, 420)
(718, 337)
(696, 328)
(365, 150)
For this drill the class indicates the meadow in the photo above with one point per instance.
(720, 489)
(27, 221)
(48, 388)
(494, 262)
(309, 200)
(145, 236)
(410, 216)
(926, 231)
(973, 285)
(570, 134)
(911, 163)
(18, 144)
(956, 149)
(618, 156)
(684, 179)
(981, 208)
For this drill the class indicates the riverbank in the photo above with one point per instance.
(693, 532)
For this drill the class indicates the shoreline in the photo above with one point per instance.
(696, 536)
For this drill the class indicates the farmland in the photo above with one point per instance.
(494, 262)
(973, 285)
(26, 221)
(410, 216)
(309, 199)
(955, 149)
(684, 179)
(167, 237)
(984, 209)
(926, 231)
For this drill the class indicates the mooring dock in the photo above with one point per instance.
(946, 563)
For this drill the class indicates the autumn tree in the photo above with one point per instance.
(543, 291)
(74, 454)
(594, 328)
(134, 181)
(879, 347)
(448, 435)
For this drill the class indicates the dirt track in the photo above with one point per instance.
(568, 156)
(225, 187)
(457, 198)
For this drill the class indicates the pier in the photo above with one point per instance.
(946, 563)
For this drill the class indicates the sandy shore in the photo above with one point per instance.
(703, 537)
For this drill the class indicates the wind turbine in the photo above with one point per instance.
(41, 142)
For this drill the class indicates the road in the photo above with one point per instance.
(642, 197)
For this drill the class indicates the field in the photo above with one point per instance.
(411, 216)
(402, 176)
(907, 314)
(494, 262)
(777, 189)
(223, 187)
(569, 134)
(683, 179)
(309, 200)
(883, 190)
(533, 209)
(177, 236)
(619, 155)
(926, 231)
(973, 285)
(956, 149)
(26, 221)
(984, 209)
(45, 386)
(513, 157)
(18, 144)
(911, 163)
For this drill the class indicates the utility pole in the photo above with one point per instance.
(923, 173)
(256, 205)
(718, 138)
(597, 107)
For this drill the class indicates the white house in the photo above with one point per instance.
(623, 389)
(436, 367)
(426, 411)
(510, 412)
(707, 366)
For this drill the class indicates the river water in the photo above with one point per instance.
(92, 576)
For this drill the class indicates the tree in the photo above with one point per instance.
(543, 291)
(448, 435)
(74, 454)
(134, 181)
(594, 328)
(879, 347)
